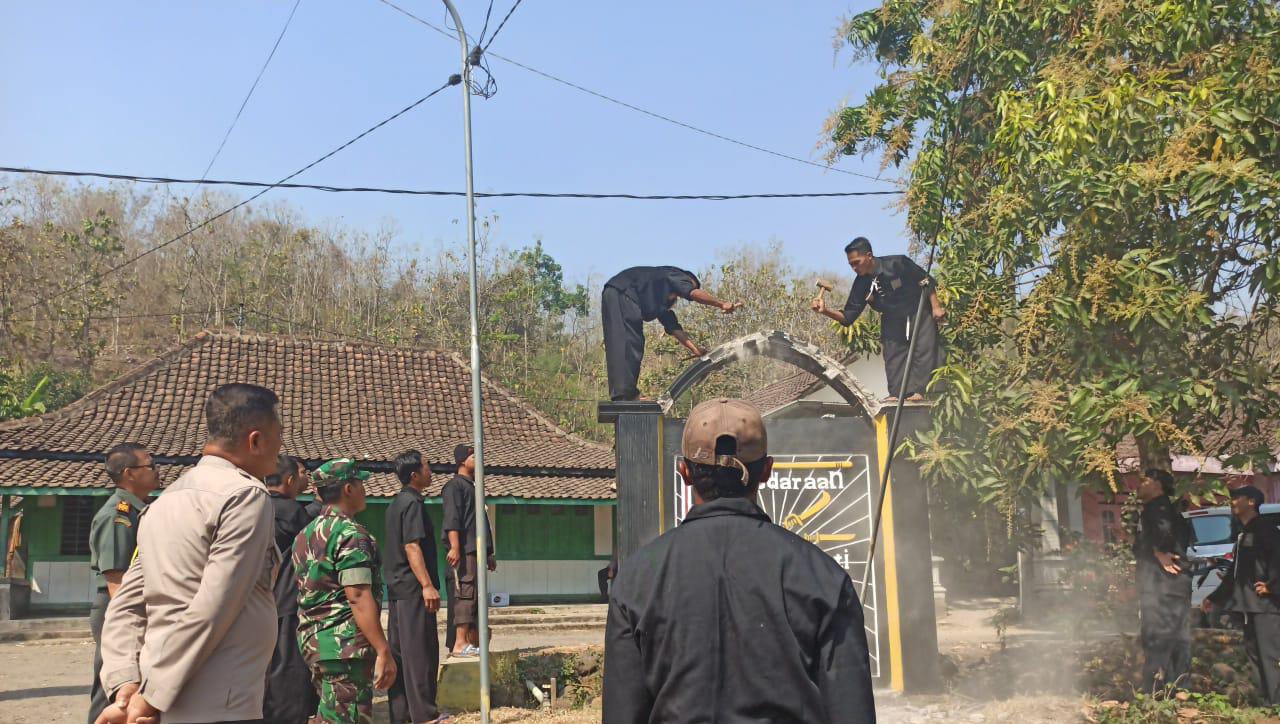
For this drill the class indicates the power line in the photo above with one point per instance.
(501, 25)
(453, 80)
(252, 88)
(485, 30)
(421, 192)
(638, 109)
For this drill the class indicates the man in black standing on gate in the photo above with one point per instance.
(1253, 586)
(113, 536)
(638, 295)
(730, 617)
(413, 583)
(459, 525)
(892, 285)
(1164, 583)
(290, 697)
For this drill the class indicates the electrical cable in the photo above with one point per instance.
(638, 109)
(501, 25)
(944, 187)
(252, 88)
(453, 80)
(420, 192)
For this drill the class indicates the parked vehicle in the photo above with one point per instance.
(1213, 534)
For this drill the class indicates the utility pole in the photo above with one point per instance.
(477, 423)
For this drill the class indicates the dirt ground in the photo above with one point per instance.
(46, 682)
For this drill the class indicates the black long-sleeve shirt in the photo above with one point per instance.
(893, 290)
(731, 618)
(1255, 557)
(651, 288)
(290, 518)
(459, 498)
(1162, 528)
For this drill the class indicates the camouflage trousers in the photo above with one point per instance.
(346, 691)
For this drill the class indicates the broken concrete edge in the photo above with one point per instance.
(779, 346)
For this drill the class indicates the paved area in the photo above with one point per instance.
(46, 681)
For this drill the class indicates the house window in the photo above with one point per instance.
(77, 516)
(1109, 526)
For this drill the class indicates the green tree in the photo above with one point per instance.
(1101, 178)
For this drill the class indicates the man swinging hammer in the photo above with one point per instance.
(892, 285)
(638, 295)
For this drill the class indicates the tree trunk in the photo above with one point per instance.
(1153, 453)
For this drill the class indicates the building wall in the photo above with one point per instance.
(545, 551)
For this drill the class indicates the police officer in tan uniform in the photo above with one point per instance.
(113, 535)
(189, 634)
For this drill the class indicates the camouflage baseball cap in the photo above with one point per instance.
(338, 471)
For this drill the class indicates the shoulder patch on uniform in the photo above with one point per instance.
(124, 521)
(123, 506)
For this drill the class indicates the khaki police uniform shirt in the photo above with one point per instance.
(194, 620)
(113, 534)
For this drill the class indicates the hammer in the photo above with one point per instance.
(824, 286)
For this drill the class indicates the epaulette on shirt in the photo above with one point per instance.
(123, 506)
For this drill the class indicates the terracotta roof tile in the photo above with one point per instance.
(338, 399)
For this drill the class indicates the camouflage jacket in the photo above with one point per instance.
(333, 551)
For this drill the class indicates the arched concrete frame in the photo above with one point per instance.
(780, 346)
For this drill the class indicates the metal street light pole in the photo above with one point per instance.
(482, 528)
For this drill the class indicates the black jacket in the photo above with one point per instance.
(291, 517)
(1162, 528)
(1255, 557)
(894, 290)
(651, 286)
(730, 618)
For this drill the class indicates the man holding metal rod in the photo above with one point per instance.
(892, 285)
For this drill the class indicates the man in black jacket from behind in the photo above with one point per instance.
(729, 617)
(290, 698)
(1164, 583)
(1252, 585)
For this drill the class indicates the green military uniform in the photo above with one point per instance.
(332, 552)
(113, 537)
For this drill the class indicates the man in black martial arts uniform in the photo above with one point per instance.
(638, 295)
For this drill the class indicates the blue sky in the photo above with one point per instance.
(150, 87)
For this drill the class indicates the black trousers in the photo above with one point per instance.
(1166, 640)
(97, 615)
(1262, 643)
(290, 696)
(623, 343)
(416, 647)
(895, 336)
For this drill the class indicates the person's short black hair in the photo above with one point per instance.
(1164, 477)
(862, 245)
(461, 452)
(286, 466)
(122, 457)
(407, 463)
(716, 481)
(235, 409)
(331, 493)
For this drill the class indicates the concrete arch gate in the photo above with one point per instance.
(779, 346)
(826, 480)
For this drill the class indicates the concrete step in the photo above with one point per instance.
(36, 629)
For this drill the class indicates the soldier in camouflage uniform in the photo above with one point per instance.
(339, 607)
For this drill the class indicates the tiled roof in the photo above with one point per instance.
(338, 399)
(783, 392)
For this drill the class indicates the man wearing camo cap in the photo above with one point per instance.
(339, 606)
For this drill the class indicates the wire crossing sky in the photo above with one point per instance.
(149, 86)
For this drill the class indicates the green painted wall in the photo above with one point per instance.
(42, 529)
(546, 532)
(523, 532)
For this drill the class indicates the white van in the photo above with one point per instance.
(1213, 533)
